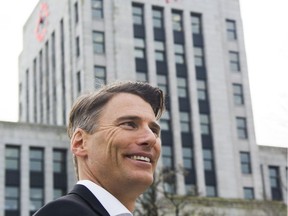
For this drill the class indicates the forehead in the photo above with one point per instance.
(127, 104)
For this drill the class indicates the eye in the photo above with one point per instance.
(128, 125)
(156, 131)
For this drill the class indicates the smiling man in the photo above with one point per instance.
(115, 141)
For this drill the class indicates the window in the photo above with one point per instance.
(12, 198)
(157, 18)
(241, 128)
(201, 90)
(100, 76)
(139, 48)
(78, 82)
(77, 46)
(205, 124)
(142, 77)
(196, 24)
(76, 12)
(275, 183)
(182, 87)
(198, 57)
(59, 161)
(165, 121)
(185, 122)
(36, 160)
(238, 94)
(177, 20)
(36, 199)
(167, 156)
(248, 193)
(162, 83)
(98, 42)
(12, 158)
(159, 51)
(210, 191)
(208, 159)
(179, 53)
(245, 162)
(187, 158)
(137, 11)
(231, 30)
(97, 9)
(234, 61)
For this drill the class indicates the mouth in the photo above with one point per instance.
(140, 158)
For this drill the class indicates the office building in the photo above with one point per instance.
(192, 49)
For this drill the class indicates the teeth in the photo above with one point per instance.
(141, 158)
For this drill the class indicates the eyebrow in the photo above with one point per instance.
(152, 124)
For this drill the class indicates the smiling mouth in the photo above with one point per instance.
(141, 158)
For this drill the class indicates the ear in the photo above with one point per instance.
(78, 142)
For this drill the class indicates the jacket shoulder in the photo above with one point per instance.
(69, 205)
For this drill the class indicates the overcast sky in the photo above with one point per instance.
(266, 39)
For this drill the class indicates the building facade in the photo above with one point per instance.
(192, 49)
(36, 166)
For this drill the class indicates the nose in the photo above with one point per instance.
(147, 137)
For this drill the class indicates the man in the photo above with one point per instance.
(115, 141)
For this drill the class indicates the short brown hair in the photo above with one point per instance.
(87, 108)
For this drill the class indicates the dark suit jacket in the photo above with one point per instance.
(79, 202)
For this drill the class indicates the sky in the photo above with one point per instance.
(266, 42)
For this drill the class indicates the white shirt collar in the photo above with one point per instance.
(112, 205)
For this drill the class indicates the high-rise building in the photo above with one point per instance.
(192, 49)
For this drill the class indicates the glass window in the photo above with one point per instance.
(182, 87)
(165, 121)
(248, 193)
(157, 18)
(208, 159)
(245, 162)
(274, 177)
(198, 57)
(97, 9)
(100, 76)
(12, 197)
(77, 46)
(242, 128)
(205, 124)
(167, 156)
(177, 20)
(162, 83)
(12, 157)
(36, 198)
(137, 11)
(159, 51)
(234, 61)
(187, 157)
(59, 161)
(275, 183)
(238, 94)
(36, 160)
(98, 42)
(210, 191)
(179, 53)
(201, 90)
(231, 29)
(185, 122)
(143, 77)
(78, 76)
(196, 24)
(139, 48)
(76, 12)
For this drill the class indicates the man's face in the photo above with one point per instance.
(124, 150)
